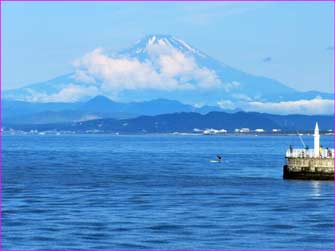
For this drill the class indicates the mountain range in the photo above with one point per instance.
(22, 112)
(158, 68)
(188, 122)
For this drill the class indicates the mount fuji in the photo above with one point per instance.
(162, 67)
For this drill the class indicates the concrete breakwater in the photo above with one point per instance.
(309, 168)
(316, 164)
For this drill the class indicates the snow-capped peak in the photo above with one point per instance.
(163, 41)
(152, 40)
(186, 45)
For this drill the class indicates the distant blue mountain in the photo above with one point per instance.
(187, 122)
(21, 112)
(234, 86)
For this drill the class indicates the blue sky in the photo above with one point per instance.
(291, 42)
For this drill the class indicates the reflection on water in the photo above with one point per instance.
(316, 191)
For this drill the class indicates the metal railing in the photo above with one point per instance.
(309, 153)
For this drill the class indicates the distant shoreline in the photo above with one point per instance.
(42, 133)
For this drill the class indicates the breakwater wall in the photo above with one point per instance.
(309, 168)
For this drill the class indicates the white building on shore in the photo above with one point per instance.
(212, 131)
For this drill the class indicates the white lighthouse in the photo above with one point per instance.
(316, 141)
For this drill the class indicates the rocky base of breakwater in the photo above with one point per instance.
(309, 169)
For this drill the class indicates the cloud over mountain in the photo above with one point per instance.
(313, 106)
(70, 93)
(163, 66)
(166, 69)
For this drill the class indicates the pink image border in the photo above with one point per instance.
(124, 1)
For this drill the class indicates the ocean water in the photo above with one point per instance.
(159, 192)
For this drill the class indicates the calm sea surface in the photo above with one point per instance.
(160, 192)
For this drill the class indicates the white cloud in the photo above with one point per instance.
(168, 69)
(116, 74)
(82, 76)
(309, 107)
(172, 63)
(231, 86)
(226, 104)
(242, 96)
(71, 93)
